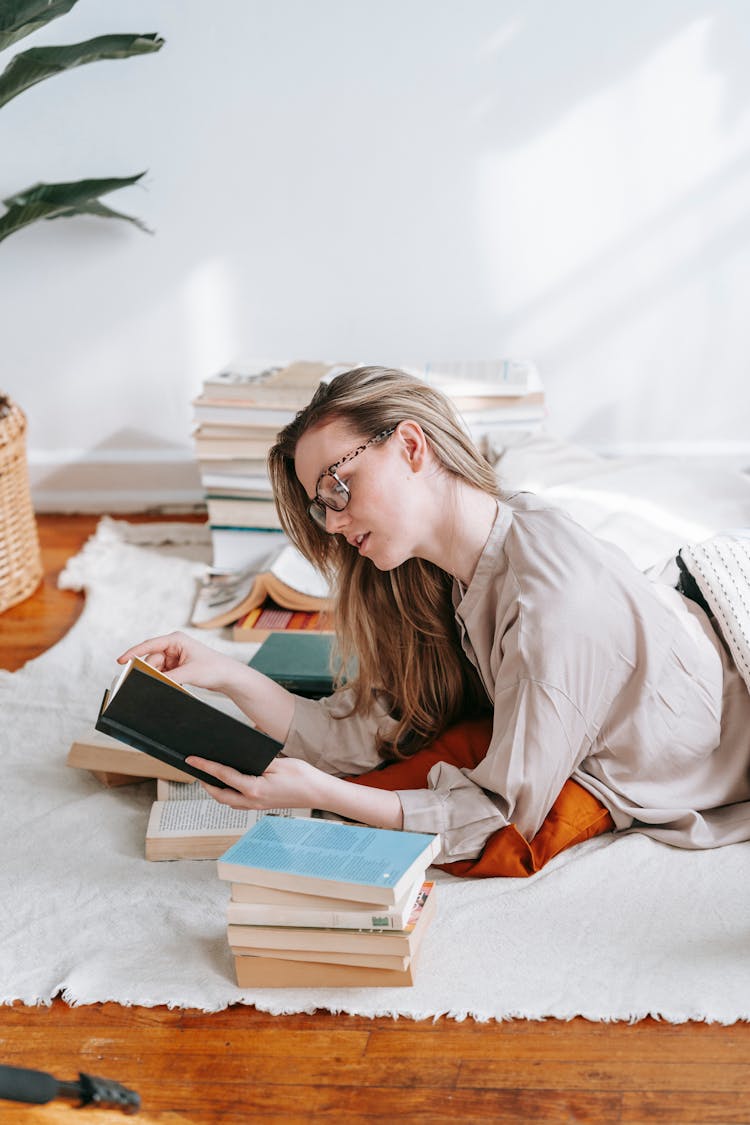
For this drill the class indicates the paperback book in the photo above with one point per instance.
(308, 941)
(114, 763)
(199, 827)
(270, 972)
(372, 865)
(346, 916)
(270, 618)
(284, 576)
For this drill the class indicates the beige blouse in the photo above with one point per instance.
(596, 672)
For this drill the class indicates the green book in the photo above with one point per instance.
(300, 662)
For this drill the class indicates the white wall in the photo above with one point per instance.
(562, 179)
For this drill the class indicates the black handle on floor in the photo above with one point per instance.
(17, 1084)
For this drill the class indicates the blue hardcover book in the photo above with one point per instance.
(323, 857)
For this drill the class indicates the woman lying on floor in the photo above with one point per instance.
(609, 699)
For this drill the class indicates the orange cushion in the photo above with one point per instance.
(575, 816)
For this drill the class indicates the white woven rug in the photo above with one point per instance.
(615, 929)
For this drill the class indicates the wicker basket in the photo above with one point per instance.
(20, 559)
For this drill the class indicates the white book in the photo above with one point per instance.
(234, 466)
(491, 377)
(240, 413)
(237, 549)
(501, 415)
(351, 917)
(243, 513)
(222, 598)
(248, 482)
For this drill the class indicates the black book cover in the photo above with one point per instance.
(171, 724)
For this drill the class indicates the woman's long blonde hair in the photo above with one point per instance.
(397, 627)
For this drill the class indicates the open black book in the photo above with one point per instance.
(146, 709)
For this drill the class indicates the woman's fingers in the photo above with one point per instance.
(224, 773)
(155, 646)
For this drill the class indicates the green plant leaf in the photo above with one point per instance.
(38, 63)
(20, 17)
(60, 201)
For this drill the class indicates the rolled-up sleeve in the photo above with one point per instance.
(539, 737)
(325, 733)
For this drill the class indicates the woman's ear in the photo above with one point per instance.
(414, 443)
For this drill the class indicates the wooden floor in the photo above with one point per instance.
(241, 1065)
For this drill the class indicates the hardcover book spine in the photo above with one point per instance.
(138, 741)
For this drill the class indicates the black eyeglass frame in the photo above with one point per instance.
(316, 508)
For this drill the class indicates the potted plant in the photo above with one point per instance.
(19, 18)
(20, 559)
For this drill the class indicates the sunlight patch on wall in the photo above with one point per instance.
(610, 211)
(211, 321)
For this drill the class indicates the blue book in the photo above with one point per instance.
(323, 857)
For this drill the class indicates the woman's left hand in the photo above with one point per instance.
(288, 783)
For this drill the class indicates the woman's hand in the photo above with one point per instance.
(287, 783)
(186, 661)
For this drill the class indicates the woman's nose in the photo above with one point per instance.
(335, 520)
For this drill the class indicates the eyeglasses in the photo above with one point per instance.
(330, 491)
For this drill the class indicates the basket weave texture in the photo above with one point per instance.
(20, 558)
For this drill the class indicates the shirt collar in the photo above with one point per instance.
(487, 565)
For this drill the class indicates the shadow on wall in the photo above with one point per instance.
(130, 471)
(552, 56)
(652, 221)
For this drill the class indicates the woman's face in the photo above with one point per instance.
(380, 520)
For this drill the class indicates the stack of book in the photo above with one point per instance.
(238, 415)
(496, 399)
(327, 904)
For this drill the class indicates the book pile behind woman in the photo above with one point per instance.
(327, 904)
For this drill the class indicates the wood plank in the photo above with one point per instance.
(685, 1107)
(378, 1104)
(595, 1042)
(231, 1062)
(101, 1039)
(613, 1075)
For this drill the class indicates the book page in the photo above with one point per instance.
(206, 817)
(179, 791)
(141, 666)
(293, 569)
